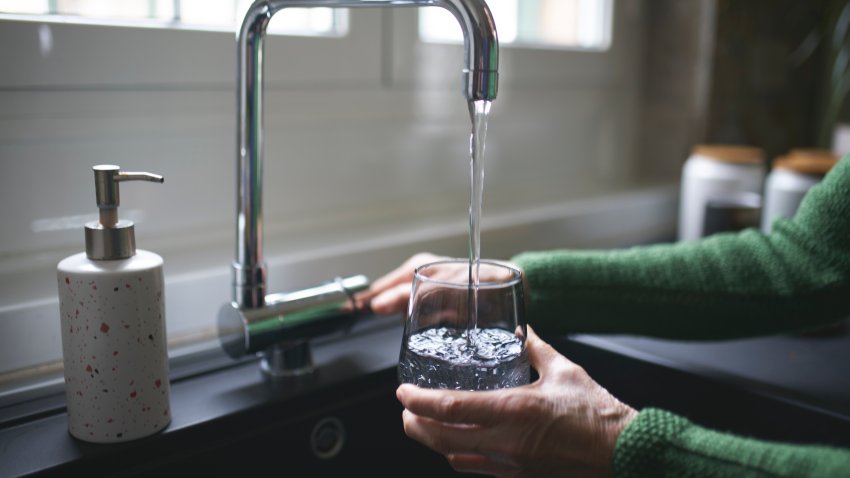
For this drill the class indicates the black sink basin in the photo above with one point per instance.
(353, 429)
(345, 420)
(342, 420)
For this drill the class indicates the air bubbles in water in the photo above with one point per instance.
(440, 357)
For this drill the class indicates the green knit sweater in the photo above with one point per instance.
(726, 286)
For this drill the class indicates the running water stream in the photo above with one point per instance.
(479, 111)
(475, 358)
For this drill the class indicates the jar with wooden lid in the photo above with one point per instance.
(790, 179)
(716, 172)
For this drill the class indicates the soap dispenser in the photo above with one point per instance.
(113, 326)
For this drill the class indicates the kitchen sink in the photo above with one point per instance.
(344, 419)
(353, 429)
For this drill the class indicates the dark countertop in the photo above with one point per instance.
(812, 370)
(793, 388)
(200, 404)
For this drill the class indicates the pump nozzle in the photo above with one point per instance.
(111, 238)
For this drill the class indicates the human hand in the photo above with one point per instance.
(390, 293)
(562, 424)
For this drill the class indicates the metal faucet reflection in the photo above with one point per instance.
(276, 324)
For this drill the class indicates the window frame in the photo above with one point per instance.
(158, 56)
(521, 65)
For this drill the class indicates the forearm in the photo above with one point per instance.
(724, 287)
(658, 444)
(728, 285)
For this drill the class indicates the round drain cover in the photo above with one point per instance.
(327, 438)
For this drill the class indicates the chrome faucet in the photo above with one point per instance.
(253, 313)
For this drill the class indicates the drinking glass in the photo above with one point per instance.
(446, 345)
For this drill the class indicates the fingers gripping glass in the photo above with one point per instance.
(444, 347)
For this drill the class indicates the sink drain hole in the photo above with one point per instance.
(327, 438)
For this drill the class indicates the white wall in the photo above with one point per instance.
(366, 157)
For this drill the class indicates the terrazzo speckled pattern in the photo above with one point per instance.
(114, 347)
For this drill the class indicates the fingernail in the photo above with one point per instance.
(361, 304)
(378, 304)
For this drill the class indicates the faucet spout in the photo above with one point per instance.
(479, 82)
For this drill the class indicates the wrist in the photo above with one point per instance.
(614, 427)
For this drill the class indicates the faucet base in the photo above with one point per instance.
(287, 360)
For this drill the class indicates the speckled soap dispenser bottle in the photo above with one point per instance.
(113, 326)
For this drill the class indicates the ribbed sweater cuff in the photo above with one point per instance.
(660, 444)
(642, 446)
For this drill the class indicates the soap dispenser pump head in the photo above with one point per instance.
(111, 238)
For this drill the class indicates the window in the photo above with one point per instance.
(579, 24)
(199, 14)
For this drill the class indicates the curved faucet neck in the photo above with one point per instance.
(480, 82)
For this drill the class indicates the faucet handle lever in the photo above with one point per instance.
(290, 317)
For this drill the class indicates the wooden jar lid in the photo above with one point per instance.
(730, 153)
(807, 161)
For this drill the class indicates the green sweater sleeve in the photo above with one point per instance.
(724, 286)
(659, 444)
(728, 285)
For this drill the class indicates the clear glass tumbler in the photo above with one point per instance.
(446, 346)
